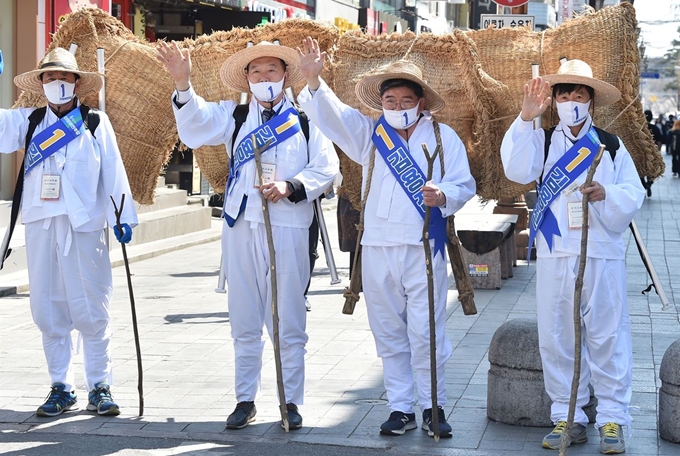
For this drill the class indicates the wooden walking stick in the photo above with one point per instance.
(430, 298)
(578, 289)
(272, 275)
(351, 293)
(461, 274)
(140, 373)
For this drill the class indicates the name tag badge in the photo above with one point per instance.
(567, 192)
(268, 172)
(575, 212)
(49, 190)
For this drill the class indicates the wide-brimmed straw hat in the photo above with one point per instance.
(368, 87)
(579, 72)
(59, 59)
(233, 71)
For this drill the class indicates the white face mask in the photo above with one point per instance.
(267, 91)
(401, 120)
(59, 92)
(573, 113)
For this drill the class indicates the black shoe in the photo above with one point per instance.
(243, 414)
(294, 417)
(398, 423)
(444, 427)
(649, 190)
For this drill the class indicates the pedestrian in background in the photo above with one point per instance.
(65, 209)
(674, 145)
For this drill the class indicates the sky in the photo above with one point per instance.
(658, 37)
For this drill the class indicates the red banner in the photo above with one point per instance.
(64, 7)
(511, 3)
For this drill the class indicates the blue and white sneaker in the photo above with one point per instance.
(398, 423)
(444, 427)
(58, 401)
(100, 400)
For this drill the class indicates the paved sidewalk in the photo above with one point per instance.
(189, 363)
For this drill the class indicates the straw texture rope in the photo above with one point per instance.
(480, 74)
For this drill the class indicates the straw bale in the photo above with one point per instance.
(451, 66)
(480, 74)
(208, 53)
(607, 41)
(138, 91)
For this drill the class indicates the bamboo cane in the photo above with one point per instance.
(430, 298)
(578, 288)
(272, 275)
(140, 372)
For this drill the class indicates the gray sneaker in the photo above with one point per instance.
(611, 439)
(578, 434)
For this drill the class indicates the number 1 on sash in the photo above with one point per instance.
(56, 136)
(583, 153)
(380, 131)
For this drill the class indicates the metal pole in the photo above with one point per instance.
(534, 75)
(100, 67)
(222, 279)
(328, 251)
(647, 261)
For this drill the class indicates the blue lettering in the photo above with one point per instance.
(263, 135)
(557, 181)
(412, 180)
(399, 160)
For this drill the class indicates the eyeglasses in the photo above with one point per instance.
(406, 104)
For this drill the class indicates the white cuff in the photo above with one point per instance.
(183, 96)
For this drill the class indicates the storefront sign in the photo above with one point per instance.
(511, 3)
(566, 8)
(507, 20)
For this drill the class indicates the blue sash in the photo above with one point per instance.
(277, 129)
(411, 179)
(53, 138)
(570, 166)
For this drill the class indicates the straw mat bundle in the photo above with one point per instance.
(137, 94)
(450, 66)
(607, 41)
(208, 53)
(480, 74)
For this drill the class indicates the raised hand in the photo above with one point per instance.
(177, 62)
(536, 99)
(311, 62)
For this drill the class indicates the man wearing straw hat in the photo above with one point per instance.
(555, 159)
(296, 171)
(393, 258)
(70, 171)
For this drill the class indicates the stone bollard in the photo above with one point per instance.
(515, 390)
(669, 394)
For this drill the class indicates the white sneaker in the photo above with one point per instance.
(308, 306)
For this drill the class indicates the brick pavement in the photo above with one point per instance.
(188, 357)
